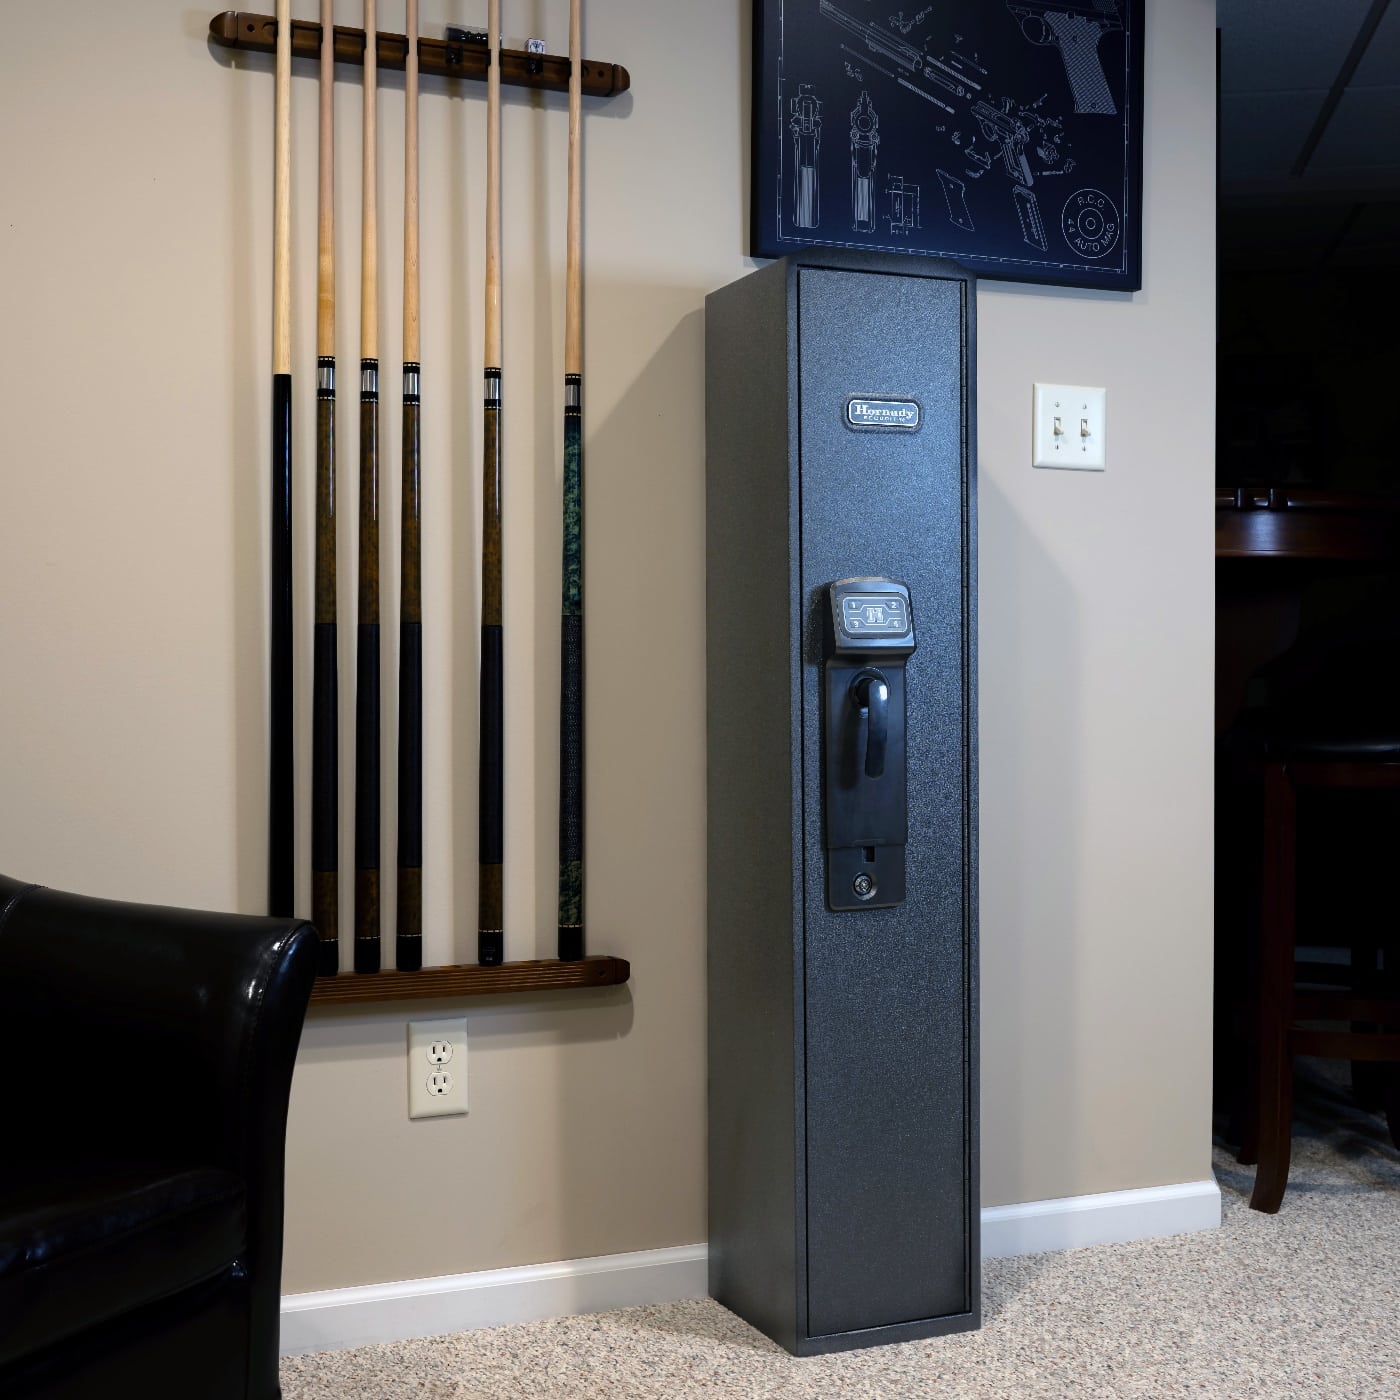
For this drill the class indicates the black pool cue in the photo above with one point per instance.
(325, 762)
(367, 924)
(408, 923)
(571, 942)
(281, 826)
(490, 896)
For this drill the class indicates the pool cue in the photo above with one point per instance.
(325, 762)
(571, 621)
(490, 900)
(367, 951)
(281, 827)
(408, 923)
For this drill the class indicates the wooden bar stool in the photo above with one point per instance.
(1334, 763)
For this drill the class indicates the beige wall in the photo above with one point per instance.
(135, 291)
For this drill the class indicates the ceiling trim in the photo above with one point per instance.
(1339, 84)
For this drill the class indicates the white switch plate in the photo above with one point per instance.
(437, 1067)
(1082, 414)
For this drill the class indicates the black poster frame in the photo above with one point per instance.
(1036, 181)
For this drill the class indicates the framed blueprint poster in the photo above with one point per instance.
(1003, 134)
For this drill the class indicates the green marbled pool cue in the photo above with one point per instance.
(571, 941)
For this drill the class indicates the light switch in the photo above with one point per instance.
(1069, 427)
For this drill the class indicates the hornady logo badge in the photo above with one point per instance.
(882, 413)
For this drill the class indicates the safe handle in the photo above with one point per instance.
(871, 692)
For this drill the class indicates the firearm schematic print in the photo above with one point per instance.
(1074, 27)
(901, 206)
(806, 127)
(865, 143)
(1008, 104)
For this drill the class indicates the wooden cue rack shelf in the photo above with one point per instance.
(253, 33)
(469, 980)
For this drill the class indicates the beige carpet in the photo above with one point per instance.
(1305, 1303)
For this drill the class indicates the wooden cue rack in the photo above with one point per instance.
(253, 33)
(469, 980)
(256, 33)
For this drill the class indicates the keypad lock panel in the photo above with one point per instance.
(869, 636)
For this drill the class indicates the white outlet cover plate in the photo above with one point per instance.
(1075, 405)
(423, 1036)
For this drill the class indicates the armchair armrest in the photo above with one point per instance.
(135, 1035)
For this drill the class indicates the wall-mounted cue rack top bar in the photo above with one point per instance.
(440, 57)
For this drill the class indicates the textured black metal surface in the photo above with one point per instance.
(754, 829)
(843, 1162)
(886, 1121)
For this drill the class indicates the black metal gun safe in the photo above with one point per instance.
(842, 661)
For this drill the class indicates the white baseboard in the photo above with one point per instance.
(1146, 1214)
(429, 1307)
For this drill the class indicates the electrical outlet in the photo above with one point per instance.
(1070, 427)
(433, 1089)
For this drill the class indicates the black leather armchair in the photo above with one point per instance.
(146, 1060)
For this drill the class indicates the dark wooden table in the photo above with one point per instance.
(1277, 522)
(1309, 536)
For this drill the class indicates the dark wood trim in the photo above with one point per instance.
(470, 980)
(1343, 1006)
(1345, 1045)
(1344, 773)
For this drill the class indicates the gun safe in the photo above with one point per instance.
(842, 846)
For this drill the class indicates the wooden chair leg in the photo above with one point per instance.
(1248, 1132)
(1247, 1119)
(1248, 1154)
(1276, 974)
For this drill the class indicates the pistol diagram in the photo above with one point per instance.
(1012, 130)
(865, 144)
(989, 122)
(902, 206)
(955, 197)
(999, 126)
(905, 25)
(806, 126)
(1074, 27)
(1028, 212)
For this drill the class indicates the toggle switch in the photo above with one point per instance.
(1052, 446)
